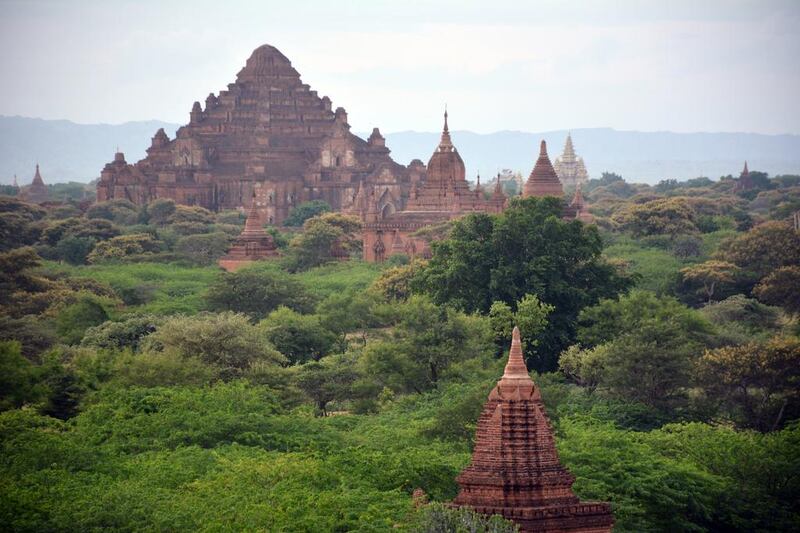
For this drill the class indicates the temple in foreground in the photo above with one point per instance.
(268, 135)
(515, 470)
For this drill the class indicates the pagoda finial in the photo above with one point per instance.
(446, 129)
(745, 171)
(543, 148)
(516, 368)
(445, 145)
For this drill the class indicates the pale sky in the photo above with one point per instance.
(685, 66)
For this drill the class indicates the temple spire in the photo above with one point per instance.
(445, 144)
(515, 367)
(745, 172)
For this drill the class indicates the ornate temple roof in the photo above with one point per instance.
(515, 470)
(446, 165)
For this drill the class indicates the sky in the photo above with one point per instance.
(669, 65)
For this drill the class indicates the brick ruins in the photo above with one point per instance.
(515, 471)
(251, 245)
(36, 192)
(268, 136)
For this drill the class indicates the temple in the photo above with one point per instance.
(443, 196)
(569, 167)
(267, 136)
(515, 470)
(251, 245)
(36, 192)
(744, 183)
(543, 180)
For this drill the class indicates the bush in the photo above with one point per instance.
(299, 337)
(256, 292)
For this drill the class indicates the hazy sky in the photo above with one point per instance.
(699, 65)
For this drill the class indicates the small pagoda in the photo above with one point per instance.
(543, 180)
(745, 182)
(251, 245)
(569, 167)
(515, 471)
(36, 192)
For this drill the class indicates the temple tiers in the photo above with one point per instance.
(543, 180)
(270, 134)
(251, 245)
(578, 207)
(36, 192)
(444, 195)
(515, 470)
(569, 167)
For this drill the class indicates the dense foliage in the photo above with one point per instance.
(143, 389)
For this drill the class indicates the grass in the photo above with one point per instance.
(657, 268)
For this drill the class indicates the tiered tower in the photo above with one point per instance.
(543, 180)
(744, 183)
(515, 471)
(251, 245)
(268, 133)
(569, 167)
(36, 192)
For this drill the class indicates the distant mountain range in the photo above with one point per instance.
(68, 151)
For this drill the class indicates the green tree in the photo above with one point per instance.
(19, 383)
(758, 383)
(160, 211)
(782, 288)
(73, 320)
(122, 212)
(528, 249)
(94, 228)
(256, 292)
(664, 216)
(125, 333)
(75, 250)
(203, 249)
(530, 317)
(320, 237)
(711, 275)
(119, 248)
(299, 337)
(226, 340)
(306, 210)
(327, 380)
(395, 283)
(764, 249)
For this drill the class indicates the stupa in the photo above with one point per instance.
(251, 245)
(515, 471)
(744, 183)
(543, 180)
(36, 192)
(569, 167)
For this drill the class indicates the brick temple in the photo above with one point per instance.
(515, 471)
(268, 136)
(36, 192)
(253, 244)
(442, 196)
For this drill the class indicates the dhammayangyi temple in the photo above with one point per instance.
(515, 471)
(269, 143)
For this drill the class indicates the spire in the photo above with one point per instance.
(516, 368)
(37, 178)
(498, 188)
(745, 172)
(253, 222)
(478, 187)
(16, 185)
(569, 150)
(577, 199)
(543, 149)
(445, 144)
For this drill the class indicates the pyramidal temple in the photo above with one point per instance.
(515, 471)
(569, 167)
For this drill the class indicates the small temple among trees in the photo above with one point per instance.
(515, 470)
(252, 244)
(569, 167)
(36, 192)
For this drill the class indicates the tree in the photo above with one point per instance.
(191, 214)
(711, 274)
(763, 249)
(664, 216)
(18, 378)
(75, 250)
(256, 292)
(327, 380)
(73, 320)
(203, 249)
(782, 288)
(160, 211)
(426, 341)
(758, 382)
(583, 366)
(610, 319)
(95, 228)
(126, 333)
(124, 246)
(528, 249)
(18, 225)
(122, 212)
(306, 210)
(395, 283)
(299, 337)
(227, 340)
(440, 518)
(320, 236)
(530, 317)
